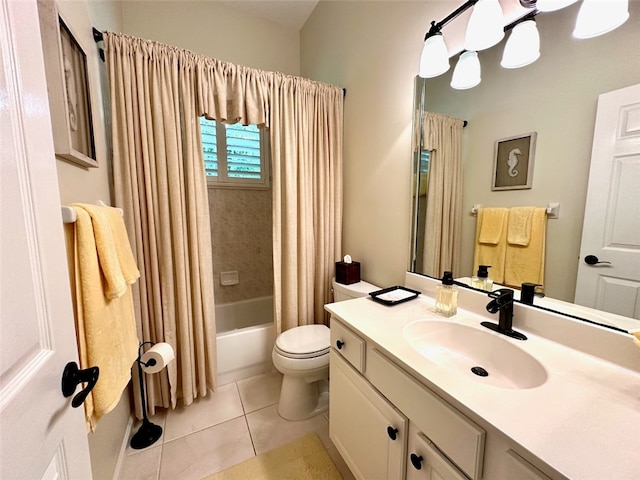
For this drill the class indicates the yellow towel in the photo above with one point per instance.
(519, 226)
(526, 263)
(106, 328)
(491, 222)
(491, 241)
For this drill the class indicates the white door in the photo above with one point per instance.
(611, 230)
(41, 435)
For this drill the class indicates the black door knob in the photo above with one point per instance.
(416, 461)
(72, 376)
(392, 432)
(339, 344)
(593, 260)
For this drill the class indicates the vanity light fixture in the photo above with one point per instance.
(485, 29)
(467, 72)
(523, 45)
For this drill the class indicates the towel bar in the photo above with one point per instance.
(553, 209)
(69, 214)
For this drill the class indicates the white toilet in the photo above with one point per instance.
(301, 354)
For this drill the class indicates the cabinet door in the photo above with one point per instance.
(363, 425)
(425, 462)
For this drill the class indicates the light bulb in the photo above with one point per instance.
(486, 26)
(467, 72)
(434, 60)
(597, 17)
(523, 45)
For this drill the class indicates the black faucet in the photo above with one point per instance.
(503, 302)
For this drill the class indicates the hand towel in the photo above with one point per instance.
(114, 252)
(106, 328)
(526, 263)
(491, 222)
(491, 252)
(519, 225)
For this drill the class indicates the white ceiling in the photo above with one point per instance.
(289, 13)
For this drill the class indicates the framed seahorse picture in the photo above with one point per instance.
(513, 163)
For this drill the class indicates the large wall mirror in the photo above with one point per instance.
(555, 97)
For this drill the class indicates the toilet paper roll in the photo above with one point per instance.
(157, 357)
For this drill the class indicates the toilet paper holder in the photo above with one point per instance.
(148, 433)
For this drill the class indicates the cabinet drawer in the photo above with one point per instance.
(456, 436)
(348, 344)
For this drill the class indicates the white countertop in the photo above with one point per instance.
(583, 421)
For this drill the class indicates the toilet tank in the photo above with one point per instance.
(354, 290)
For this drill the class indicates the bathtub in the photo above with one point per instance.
(245, 337)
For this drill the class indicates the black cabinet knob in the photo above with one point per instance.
(392, 432)
(339, 344)
(416, 461)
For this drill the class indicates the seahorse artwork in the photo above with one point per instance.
(513, 161)
(72, 96)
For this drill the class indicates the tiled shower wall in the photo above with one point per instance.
(242, 239)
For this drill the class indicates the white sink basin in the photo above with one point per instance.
(460, 348)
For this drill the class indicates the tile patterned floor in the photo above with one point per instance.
(232, 424)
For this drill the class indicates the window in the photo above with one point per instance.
(234, 155)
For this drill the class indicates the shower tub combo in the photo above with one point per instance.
(245, 337)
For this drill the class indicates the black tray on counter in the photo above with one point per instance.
(394, 295)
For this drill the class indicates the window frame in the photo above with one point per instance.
(222, 180)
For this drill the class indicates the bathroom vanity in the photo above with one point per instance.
(405, 404)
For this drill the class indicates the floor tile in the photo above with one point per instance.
(143, 465)
(260, 391)
(205, 452)
(269, 430)
(217, 407)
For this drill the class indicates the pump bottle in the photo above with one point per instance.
(447, 296)
(482, 281)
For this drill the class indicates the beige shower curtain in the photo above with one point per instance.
(306, 148)
(157, 93)
(442, 135)
(159, 182)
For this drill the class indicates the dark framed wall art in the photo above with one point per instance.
(513, 162)
(72, 87)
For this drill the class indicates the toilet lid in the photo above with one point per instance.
(305, 340)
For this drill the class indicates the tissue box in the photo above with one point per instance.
(347, 273)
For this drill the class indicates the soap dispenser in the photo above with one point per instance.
(447, 296)
(482, 281)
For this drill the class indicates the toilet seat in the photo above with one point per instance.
(306, 341)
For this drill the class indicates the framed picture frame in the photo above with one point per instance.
(72, 86)
(513, 162)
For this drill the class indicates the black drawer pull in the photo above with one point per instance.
(339, 344)
(416, 461)
(392, 432)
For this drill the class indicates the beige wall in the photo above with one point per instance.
(555, 97)
(372, 49)
(216, 30)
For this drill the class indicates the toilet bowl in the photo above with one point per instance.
(301, 354)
